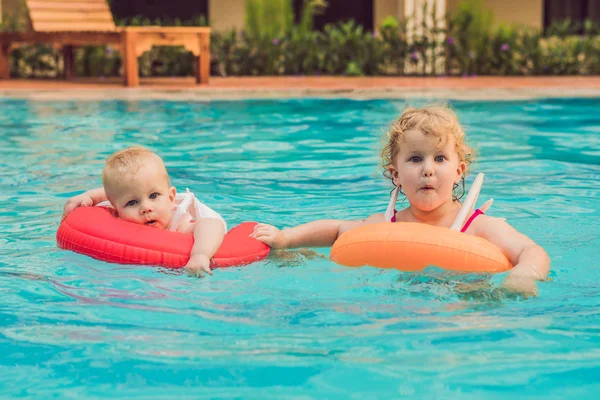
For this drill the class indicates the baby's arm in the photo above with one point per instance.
(208, 236)
(321, 233)
(89, 198)
(531, 262)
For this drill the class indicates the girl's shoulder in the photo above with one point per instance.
(379, 217)
(375, 218)
(484, 224)
(403, 215)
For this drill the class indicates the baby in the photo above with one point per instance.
(137, 185)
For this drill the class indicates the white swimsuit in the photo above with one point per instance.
(188, 203)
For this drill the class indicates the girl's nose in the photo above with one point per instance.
(428, 168)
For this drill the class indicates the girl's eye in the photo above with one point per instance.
(440, 159)
(415, 159)
(131, 203)
(153, 196)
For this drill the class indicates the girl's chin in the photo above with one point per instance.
(425, 206)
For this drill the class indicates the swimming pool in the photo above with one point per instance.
(302, 327)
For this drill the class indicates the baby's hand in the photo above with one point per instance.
(198, 265)
(270, 235)
(81, 200)
(522, 279)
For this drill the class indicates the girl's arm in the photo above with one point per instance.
(531, 262)
(313, 234)
(321, 233)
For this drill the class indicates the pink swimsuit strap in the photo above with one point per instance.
(477, 213)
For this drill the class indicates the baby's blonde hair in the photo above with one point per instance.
(438, 121)
(125, 163)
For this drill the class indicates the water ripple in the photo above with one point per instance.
(297, 325)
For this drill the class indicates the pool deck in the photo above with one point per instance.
(474, 88)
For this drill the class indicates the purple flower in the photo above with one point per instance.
(505, 47)
(276, 41)
(451, 41)
(414, 56)
(473, 75)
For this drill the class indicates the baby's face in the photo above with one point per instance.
(145, 197)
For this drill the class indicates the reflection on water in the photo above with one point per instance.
(295, 324)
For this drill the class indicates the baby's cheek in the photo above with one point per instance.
(127, 215)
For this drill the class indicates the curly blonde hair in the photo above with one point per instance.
(435, 120)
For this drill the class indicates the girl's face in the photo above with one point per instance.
(427, 170)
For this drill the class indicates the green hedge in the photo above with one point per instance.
(462, 44)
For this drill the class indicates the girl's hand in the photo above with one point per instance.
(271, 236)
(81, 200)
(522, 279)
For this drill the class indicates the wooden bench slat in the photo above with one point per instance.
(67, 25)
(66, 38)
(38, 5)
(71, 16)
(75, 26)
(69, 1)
(167, 29)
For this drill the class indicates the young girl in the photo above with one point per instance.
(426, 159)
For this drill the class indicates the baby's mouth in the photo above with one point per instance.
(151, 222)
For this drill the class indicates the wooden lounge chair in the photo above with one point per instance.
(70, 23)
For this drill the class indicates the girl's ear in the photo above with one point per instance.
(393, 174)
(460, 171)
(172, 193)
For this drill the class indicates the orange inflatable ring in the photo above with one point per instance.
(95, 232)
(411, 246)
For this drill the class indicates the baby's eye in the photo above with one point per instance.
(154, 196)
(440, 159)
(131, 203)
(415, 159)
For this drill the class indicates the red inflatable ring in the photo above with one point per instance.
(95, 232)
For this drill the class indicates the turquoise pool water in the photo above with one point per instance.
(74, 327)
